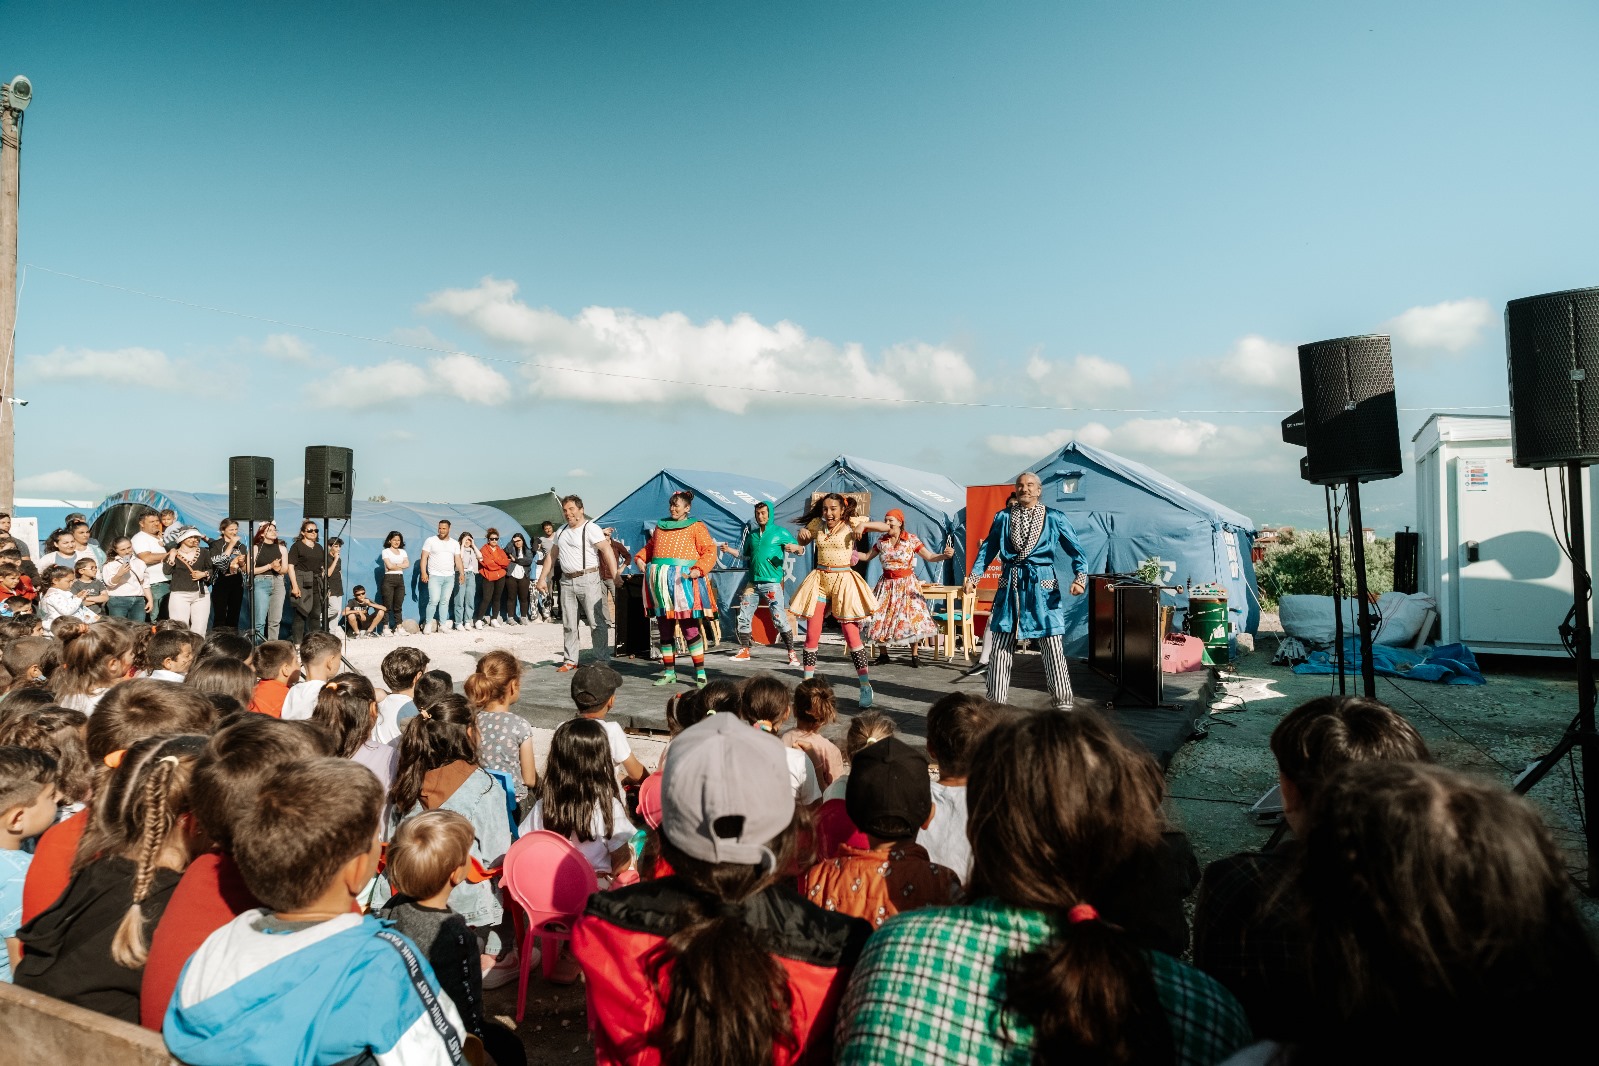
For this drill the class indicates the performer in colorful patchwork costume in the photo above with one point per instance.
(677, 561)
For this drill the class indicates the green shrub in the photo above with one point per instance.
(1298, 566)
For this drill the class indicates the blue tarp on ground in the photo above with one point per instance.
(724, 502)
(1125, 512)
(932, 503)
(363, 535)
(1450, 664)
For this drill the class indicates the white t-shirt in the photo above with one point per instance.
(575, 547)
(395, 560)
(133, 587)
(300, 703)
(144, 544)
(621, 750)
(945, 838)
(166, 675)
(596, 851)
(440, 555)
(802, 775)
(387, 728)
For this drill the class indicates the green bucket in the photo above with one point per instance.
(1207, 620)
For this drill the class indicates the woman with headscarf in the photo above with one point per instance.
(903, 616)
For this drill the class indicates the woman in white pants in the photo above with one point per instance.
(189, 569)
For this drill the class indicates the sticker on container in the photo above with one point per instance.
(1476, 477)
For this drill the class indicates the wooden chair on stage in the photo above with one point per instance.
(979, 604)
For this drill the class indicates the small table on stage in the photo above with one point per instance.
(951, 595)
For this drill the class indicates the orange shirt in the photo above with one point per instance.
(878, 883)
(693, 541)
(268, 698)
(51, 867)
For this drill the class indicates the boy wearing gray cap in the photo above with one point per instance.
(594, 688)
(727, 934)
(890, 799)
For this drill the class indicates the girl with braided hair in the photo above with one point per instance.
(89, 947)
(833, 585)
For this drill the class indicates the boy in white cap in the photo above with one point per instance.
(728, 923)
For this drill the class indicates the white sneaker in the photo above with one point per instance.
(508, 969)
(433, 626)
(450, 624)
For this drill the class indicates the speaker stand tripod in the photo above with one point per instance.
(1580, 735)
(1357, 539)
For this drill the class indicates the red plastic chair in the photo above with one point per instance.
(550, 880)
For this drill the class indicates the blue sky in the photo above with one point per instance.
(1103, 220)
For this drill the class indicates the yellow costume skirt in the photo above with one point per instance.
(844, 591)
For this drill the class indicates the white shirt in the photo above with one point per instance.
(299, 704)
(574, 547)
(440, 555)
(68, 561)
(802, 775)
(596, 851)
(621, 750)
(395, 560)
(159, 674)
(387, 728)
(134, 586)
(144, 544)
(945, 838)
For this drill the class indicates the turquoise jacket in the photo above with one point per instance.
(1029, 601)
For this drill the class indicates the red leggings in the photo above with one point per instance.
(813, 629)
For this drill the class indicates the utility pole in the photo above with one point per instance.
(15, 97)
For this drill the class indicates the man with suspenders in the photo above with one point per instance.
(587, 563)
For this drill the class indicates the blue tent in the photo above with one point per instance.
(1125, 512)
(363, 535)
(724, 502)
(932, 504)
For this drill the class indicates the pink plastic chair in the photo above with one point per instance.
(551, 881)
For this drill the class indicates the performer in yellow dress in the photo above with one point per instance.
(834, 585)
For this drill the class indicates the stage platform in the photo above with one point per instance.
(902, 693)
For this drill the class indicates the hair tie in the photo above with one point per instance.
(764, 727)
(1082, 912)
(113, 759)
(173, 759)
(872, 740)
(423, 712)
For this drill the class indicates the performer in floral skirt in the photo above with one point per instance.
(903, 616)
(834, 585)
(677, 561)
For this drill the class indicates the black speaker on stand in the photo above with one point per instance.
(1349, 428)
(250, 498)
(329, 490)
(1552, 348)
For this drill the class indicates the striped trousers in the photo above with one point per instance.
(1002, 651)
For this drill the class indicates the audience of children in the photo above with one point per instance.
(579, 798)
(814, 711)
(58, 733)
(347, 711)
(217, 674)
(402, 668)
(94, 659)
(507, 745)
(954, 723)
(833, 824)
(594, 688)
(27, 808)
(765, 705)
(169, 653)
(890, 799)
(275, 663)
(321, 655)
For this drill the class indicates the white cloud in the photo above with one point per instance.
(116, 366)
(1033, 447)
(57, 483)
(286, 346)
(1257, 363)
(613, 355)
(1452, 325)
(397, 381)
(577, 471)
(1085, 379)
(1146, 439)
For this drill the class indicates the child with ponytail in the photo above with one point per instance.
(91, 662)
(89, 947)
(439, 770)
(507, 746)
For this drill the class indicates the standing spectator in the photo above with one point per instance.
(395, 566)
(8, 541)
(81, 539)
(541, 553)
(583, 553)
(335, 605)
(65, 551)
(228, 562)
(189, 568)
(126, 582)
(89, 586)
(519, 607)
(267, 563)
(441, 567)
(308, 571)
(466, 587)
(493, 565)
(1060, 809)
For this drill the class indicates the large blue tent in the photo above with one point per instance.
(363, 534)
(724, 502)
(1125, 512)
(932, 504)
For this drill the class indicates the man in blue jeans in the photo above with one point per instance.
(441, 562)
(763, 548)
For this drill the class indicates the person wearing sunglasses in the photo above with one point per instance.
(308, 562)
(492, 566)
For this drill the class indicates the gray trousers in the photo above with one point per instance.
(1057, 678)
(585, 594)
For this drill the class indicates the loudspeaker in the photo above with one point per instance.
(1351, 417)
(1552, 346)
(329, 481)
(250, 488)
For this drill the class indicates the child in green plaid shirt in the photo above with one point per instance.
(1029, 970)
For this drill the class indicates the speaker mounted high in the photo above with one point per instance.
(250, 488)
(329, 481)
(1552, 352)
(1350, 421)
